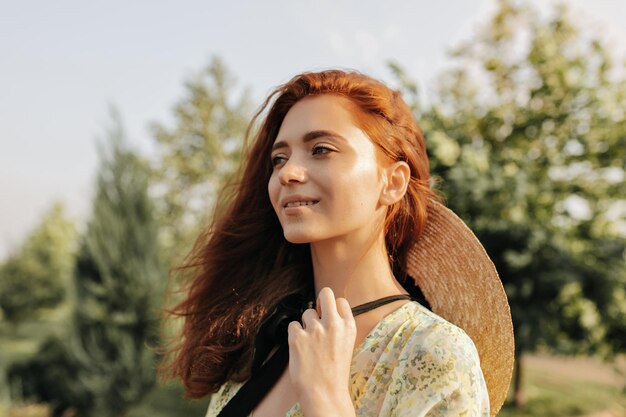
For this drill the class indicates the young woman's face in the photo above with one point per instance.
(325, 181)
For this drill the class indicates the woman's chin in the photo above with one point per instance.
(297, 237)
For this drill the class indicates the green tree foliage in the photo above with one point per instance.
(197, 154)
(108, 363)
(38, 274)
(528, 133)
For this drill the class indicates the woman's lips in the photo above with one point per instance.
(293, 209)
(301, 203)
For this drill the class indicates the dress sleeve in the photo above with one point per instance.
(212, 411)
(439, 375)
(218, 399)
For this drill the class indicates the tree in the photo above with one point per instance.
(39, 273)
(197, 154)
(528, 133)
(108, 363)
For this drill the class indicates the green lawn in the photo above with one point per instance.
(554, 393)
(166, 401)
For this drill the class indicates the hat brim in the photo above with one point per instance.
(460, 282)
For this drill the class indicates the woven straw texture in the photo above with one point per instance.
(462, 285)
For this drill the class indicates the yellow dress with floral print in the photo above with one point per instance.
(412, 363)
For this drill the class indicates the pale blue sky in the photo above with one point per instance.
(62, 63)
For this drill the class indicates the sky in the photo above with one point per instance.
(64, 64)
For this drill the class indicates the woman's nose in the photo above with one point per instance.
(292, 171)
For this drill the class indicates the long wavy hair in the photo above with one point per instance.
(241, 265)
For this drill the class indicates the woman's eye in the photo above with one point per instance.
(276, 160)
(320, 150)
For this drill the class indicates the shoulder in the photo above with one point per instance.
(436, 351)
(438, 369)
(428, 332)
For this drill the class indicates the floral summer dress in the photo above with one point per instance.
(413, 363)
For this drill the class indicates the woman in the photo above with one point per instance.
(333, 206)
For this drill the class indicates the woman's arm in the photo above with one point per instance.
(322, 405)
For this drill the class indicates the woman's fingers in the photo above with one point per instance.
(344, 309)
(308, 317)
(329, 306)
(327, 303)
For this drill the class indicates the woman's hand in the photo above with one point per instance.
(320, 354)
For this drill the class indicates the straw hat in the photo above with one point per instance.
(460, 282)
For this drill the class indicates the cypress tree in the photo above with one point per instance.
(108, 363)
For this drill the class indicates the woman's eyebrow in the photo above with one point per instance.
(314, 134)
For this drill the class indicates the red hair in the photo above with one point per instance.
(242, 265)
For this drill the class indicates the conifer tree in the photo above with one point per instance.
(38, 274)
(109, 363)
(197, 154)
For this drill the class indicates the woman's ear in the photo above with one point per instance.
(396, 181)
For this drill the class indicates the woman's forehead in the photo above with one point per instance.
(326, 112)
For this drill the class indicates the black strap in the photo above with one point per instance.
(253, 391)
(377, 303)
(265, 375)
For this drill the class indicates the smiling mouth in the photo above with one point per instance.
(301, 203)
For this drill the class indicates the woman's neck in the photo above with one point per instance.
(354, 269)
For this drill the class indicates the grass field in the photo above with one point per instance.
(167, 401)
(562, 387)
